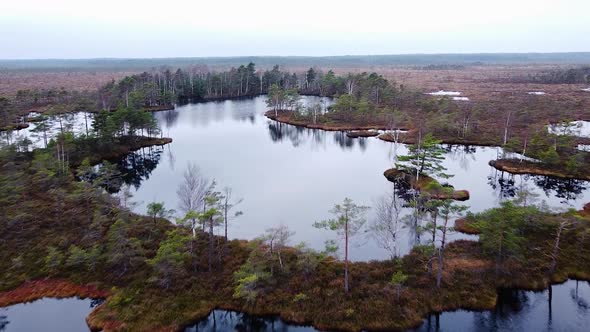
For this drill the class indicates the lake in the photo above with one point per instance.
(293, 175)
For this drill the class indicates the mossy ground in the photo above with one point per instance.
(43, 212)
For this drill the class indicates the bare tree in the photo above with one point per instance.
(276, 238)
(125, 197)
(227, 205)
(388, 222)
(507, 126)
(562, 226)
(192, 192)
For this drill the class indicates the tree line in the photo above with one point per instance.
(167, 87)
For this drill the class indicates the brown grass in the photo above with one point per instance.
(463, 225)
(423, 183)
(362, 133)
(527, 167)
(56, 288)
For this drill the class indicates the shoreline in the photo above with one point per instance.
(34, 290)
(102, 319)
(120, 150)
(515, 166)
(405, 138)
(394, 175)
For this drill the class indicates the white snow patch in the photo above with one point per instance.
(444, 93)
(587, 89)
(461, 98)
(575, 128)
(536, 93)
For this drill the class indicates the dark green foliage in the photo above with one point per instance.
(424, 158)
(171, 258)
(503, 229)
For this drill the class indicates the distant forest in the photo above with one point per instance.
(110, 64)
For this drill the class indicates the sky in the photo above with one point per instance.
(35, 29)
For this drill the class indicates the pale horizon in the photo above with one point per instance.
(67, 29)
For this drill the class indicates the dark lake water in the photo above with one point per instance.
(566, 309)
(291, 175)
(47, 314)
(222, 320)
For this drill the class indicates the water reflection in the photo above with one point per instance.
(503, 184)
(280, 132)
(170, 118)
(518, 310)
(280, 168)
(221, 320)
(567, 189)
(137, 166)
(47, 314)
(508, 186)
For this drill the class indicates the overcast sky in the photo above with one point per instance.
(187, 28)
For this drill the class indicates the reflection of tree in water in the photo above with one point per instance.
(514, 311)
(280, 131)
(220, 320)
(511, 302)
(568, 189)
(297, 135)
(3, 322)
(503, 183)
(463, 154)
(459, 148)
(507, 313)
(96, 302)
(343, 141)
(137, 166)
(170, 118)
(580, 302)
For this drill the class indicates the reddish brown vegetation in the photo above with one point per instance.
(527, 167)
(463, 225)
(425, 185)
(362, 133)
(12, 81)
(286, 117)
(34, 290)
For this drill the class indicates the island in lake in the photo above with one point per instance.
(291, 201)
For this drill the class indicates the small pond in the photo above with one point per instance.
(47, 314)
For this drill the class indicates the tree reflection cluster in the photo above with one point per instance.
(505, 184)
(298, 135)
(515, 310)
(222, 320)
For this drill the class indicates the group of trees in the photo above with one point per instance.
(556, 147)
(579, 75)
(205, 209)
(124, 122)
(165, 87)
